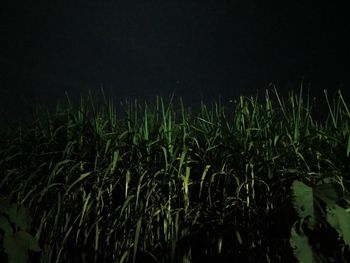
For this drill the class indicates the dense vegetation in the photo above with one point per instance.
(253, 182)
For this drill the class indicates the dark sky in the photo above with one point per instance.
(194, 49)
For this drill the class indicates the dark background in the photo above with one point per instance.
(199, 50)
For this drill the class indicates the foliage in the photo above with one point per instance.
(159, 183)
(15, 222)
(318, 211)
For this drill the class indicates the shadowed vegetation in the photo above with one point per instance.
(161, 184)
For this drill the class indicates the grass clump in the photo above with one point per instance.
(159, 184)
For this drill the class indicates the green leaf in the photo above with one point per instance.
(19, 216)
(339, 218)
(137, 237)
(4, 205)
(12, 213)
(82, 177)
(304, 202)
(301, 247)
(28, 241)
(15, 249)
(6, 226)
(23, 219)
(330, 193)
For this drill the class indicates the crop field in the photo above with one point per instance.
(253, 181)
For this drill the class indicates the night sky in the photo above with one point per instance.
(199, 50)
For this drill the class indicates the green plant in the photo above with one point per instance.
(14, 223)
(319, 213)
(164, 183)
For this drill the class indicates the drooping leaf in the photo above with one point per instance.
(339, 218)
(137, 236)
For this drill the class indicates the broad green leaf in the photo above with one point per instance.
(304, 202)
(5, 226)
(12, 213)
(15, 249)
(330, 193)
(19, 216)
(339, 218)
(23, 219)
(301, 247)
(28, 241)
(4, 205)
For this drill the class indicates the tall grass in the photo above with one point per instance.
(157, 183)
